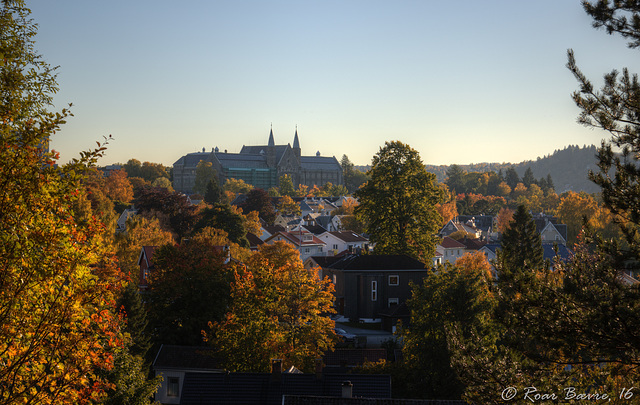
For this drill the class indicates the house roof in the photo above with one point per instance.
(376, 262)
(259, 388)
(319, 163)
(315, 229)
(349, 236)
(295, 238)
(271, 229)
(449, 243)
(548, 250)
(472, 244)
(146, 253)
(186, 358)
(254, 241)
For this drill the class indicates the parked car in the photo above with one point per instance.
(345, 336)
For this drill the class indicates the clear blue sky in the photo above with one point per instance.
(460, 81)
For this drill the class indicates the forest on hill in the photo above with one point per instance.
(568, 168)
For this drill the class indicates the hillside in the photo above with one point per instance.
(568, 168)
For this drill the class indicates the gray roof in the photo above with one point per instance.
(192, 159)
(233, 160)
(319, 163)
(255, 150)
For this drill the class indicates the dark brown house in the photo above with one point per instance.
(366, 286)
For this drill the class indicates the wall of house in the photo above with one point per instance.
(162, 394)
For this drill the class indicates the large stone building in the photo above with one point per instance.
(260, 166)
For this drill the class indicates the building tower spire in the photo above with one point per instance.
(271, 140)
(296, 145)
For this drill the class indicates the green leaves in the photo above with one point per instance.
(398, 204)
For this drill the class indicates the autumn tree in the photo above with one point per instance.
(279, 309)
(258, 200)
(453, 298)
(204, 174)
(237, 186)
(225, 218)
(140, 231)
(287, 206)
(118, 187)
(398, 204)
(173, 210)
(286, 186)
(58, 326)
(190, 287)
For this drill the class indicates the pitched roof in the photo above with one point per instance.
(254, 241)
(186, 358)
(146, 253)
(377, 262)
(315, 229)
(349, 236)
(304, 239)
(259, 388)
(449, 243)
(319, 162)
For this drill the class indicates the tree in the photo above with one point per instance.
(118, 187)
(521, 246)
(287, 206)
(58, 326)
(279, 309)
(173, 210)
(286, 186)
(258, 200)
(190, 287)
(511, 178)
(615, 109)
(212, 195)
(451, 297)
(398, 204)
(528, 179)
(140, 231)
(456, 179)
(163, 182)
(225, 218)
(204, 174)
(237, 186)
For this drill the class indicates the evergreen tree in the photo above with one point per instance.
(511, 178)
(398, 204)
(212, 195)
(528, 179)
(456, 179)
(521, 246)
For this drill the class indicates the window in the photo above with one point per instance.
(173, 387)
(335, 247)
(335, 279)
(306, 250)
(394, 280)
(393, 302)
(374, 291)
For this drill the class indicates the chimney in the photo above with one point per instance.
(347, 389)
(276, 370)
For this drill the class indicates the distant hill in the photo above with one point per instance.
(568, 168)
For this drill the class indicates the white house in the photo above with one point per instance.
(304, 241)
(339, 241)
(450, 249)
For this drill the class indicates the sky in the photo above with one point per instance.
(461, 82)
